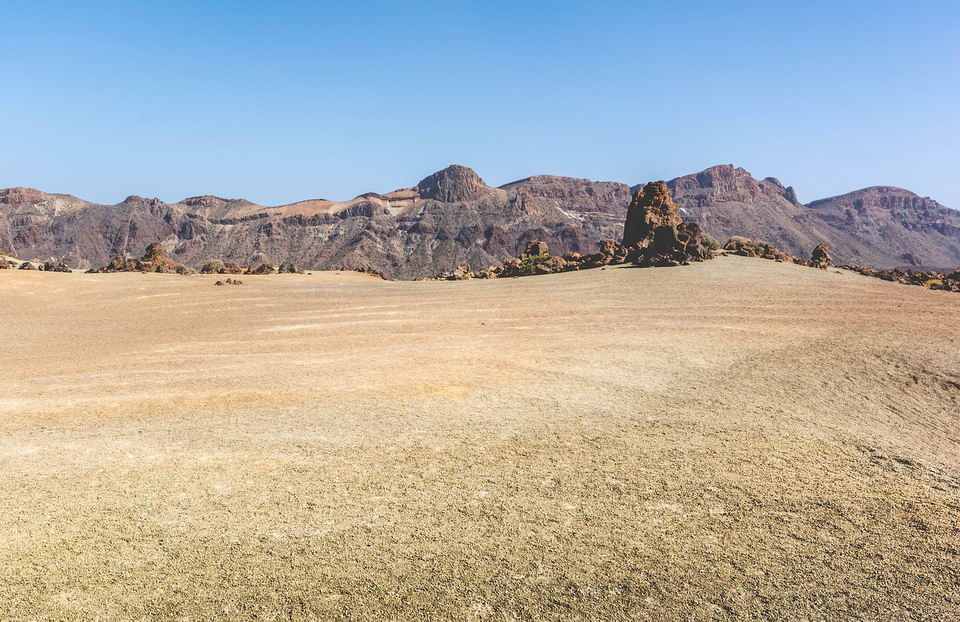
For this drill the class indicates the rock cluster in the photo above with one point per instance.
(55, 266)
(155, 259)
(216, 266)
(820, 258)
(48, 266)
(751, 248)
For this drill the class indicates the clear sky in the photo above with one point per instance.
(281, 101)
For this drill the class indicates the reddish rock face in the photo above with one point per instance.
(651, 208)
(14, 196)
(453, 184)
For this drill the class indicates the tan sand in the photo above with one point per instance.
(738, 439)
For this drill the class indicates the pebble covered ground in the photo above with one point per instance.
(736, 439)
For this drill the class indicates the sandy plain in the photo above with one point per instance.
(737, 439)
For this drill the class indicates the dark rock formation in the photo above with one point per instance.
(820, 258)
(262, 269)
(656, 234)
(55, 266)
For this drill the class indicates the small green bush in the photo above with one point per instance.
(710, 243)
(528, 264)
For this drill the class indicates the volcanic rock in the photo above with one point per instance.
(262, 269)
(820, 258)
(652, 208)
(750, 248)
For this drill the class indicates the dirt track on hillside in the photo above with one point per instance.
(730, 440)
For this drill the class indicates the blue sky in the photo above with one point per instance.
(281, 101)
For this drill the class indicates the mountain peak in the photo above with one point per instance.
(453, 184)
(13, 196)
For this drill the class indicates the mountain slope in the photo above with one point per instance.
(450, 217)
(453, 217)
(882, 227)
(917, 230)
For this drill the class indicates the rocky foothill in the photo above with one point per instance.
(654, 234)
(820, 258)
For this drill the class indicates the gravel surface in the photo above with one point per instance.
(738, 439)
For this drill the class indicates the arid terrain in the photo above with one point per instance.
(734, 439)
(453, 217)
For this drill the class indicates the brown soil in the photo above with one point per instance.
(736, 439)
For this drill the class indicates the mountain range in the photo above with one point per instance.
(453, 217)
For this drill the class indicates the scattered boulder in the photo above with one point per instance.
(460, 273)
(930, 279)
(820, 258)
(262, 269)
(55, 266)
(27, 266)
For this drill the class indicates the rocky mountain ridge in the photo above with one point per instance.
(452, 217)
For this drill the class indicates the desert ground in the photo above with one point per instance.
(737, 439)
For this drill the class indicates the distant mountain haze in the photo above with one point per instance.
(453, 217)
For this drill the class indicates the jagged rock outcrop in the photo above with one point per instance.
(655, 234)
(652, 208)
